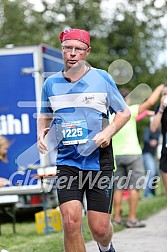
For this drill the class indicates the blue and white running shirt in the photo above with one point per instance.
(80, 110)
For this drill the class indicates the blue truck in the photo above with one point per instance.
(22, 73)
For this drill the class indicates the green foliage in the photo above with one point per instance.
(27, 240)
(147, 207)
(17, 24)
(130, 33)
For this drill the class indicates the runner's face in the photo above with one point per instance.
(74, 51)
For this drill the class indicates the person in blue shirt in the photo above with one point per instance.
(75, 105)
(150, 143)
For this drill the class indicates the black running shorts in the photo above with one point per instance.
(72, 183)
(163, 162)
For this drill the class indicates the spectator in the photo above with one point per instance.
(139, 117)
(129, 162)
(4, 145)
(150, 143)
(160, 119)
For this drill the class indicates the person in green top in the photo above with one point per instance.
(129, 163)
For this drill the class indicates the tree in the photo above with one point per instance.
(83, 14)
(20, 24)
(129, 33)
(134, 34)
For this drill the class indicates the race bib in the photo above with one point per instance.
(75, 132)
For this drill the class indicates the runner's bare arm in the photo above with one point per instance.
(43, 128)
(103, 138)
(152, 99)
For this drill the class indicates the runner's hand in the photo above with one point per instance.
(101, 140)
(41, 143)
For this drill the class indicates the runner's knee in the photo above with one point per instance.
(100, 230)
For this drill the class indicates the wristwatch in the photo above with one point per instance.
(161, 110)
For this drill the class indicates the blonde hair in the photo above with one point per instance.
(3, 141)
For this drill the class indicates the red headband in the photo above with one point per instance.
(75, 34)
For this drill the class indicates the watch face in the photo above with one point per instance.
(165, 101)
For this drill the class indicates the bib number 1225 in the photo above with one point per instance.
(76, 132)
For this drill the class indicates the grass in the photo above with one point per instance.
(27, 240)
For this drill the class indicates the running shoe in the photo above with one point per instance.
(110, 250)
(135, 224)
(118, 223)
